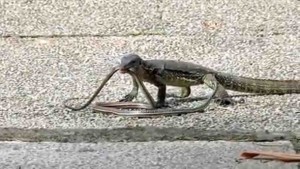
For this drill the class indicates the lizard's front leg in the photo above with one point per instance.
(133, 93)
(161, 96)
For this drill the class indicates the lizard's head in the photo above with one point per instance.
(130, 62)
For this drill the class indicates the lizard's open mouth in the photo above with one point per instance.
(123, 70)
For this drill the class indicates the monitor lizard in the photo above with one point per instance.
(181, 74)
(162, 73)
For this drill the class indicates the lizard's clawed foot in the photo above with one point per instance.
(241, 100)
(161, 105)
(225, 101)
(228, 101)
(127, 98)
(173, 95)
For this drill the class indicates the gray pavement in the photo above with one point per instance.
(162, 154)
(54, 50)
(39, 74)
(106, 17)
(247, 19)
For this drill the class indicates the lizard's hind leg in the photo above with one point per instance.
(185, 92)
(222, 96)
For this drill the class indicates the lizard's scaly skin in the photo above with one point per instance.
(184, 74)
(264, 86)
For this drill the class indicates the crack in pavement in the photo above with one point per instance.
(138, 134)
(141, 33)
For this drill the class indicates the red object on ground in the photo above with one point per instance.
(268, 155)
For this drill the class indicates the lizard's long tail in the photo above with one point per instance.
(250, 85)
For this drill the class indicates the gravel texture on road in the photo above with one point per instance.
(39, 74)
(134, 17)
(51, 51)
(162, 154)
(79, 18)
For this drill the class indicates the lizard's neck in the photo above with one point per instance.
(146, 72)
(147, 67)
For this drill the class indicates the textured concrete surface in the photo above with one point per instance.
(38, 74)
(245, 19)
(198, 154)
(73, 17)
(54, 50)
(169, 17)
